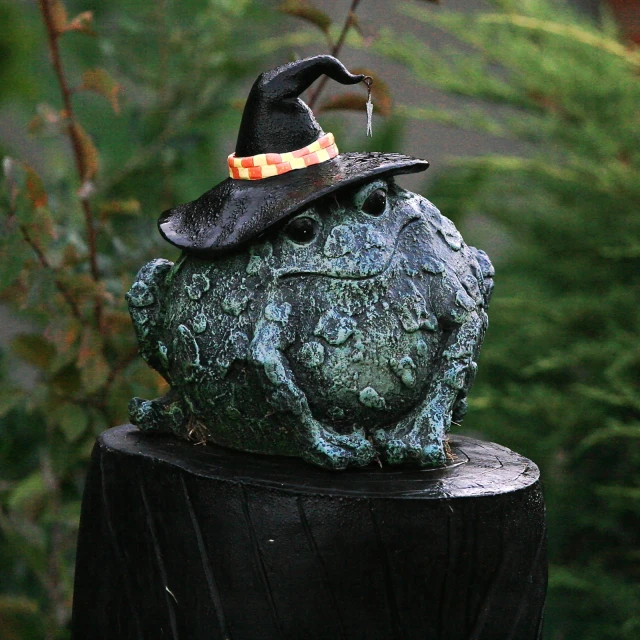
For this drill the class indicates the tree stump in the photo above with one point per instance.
(203, 543)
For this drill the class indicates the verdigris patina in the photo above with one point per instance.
(343, 332)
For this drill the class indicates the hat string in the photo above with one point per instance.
(266, 165)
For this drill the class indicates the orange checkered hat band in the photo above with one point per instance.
(265, 165)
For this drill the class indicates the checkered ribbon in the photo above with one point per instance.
(265, 165)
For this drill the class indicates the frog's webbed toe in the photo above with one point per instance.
(332, 450)
(163, 415)
(418, 440)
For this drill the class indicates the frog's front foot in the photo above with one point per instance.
(419, 446)
(332, 450)
(163, 415)
(420, 439)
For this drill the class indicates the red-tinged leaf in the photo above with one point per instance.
(95, 374)
(17, 289)
(129, 207)
(34, 349)
(41, 227)
(90, 347)
(27, 193)
(58, 15)
(345, 102)
(71, 256)
(35, 188)
(238, 105)
(349, 102)
(81, 285)
(36, 125)
(94, 369)
(63, 332)
(117, 322)
(99, 81)
(88, 152)
(308, 12)
(46, 121)
(83, 23)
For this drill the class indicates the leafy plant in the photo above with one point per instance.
(559, 373)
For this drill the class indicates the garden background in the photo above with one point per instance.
(529, 111)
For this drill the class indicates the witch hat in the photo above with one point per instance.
(283, 161)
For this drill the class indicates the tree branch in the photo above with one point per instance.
(44, 262)
(335, 51)
(128, 358)
(54, 51)
(59, 611)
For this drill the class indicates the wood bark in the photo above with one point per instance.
(201, 543)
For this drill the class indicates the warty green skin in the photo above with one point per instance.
(358, 346)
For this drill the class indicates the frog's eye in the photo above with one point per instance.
(376, 203)
(302, 230)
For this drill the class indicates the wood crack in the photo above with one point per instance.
(118, 553)
(323, 569)
(523, 600)
(163, 572)
(214, 591)
(505, 561)
(394, 614)
(259, 560)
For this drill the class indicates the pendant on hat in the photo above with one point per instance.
(368, 80)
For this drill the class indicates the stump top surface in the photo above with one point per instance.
(479, 469)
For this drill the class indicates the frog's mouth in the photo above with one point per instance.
(331, 269)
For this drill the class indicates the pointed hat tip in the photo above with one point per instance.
(275, 119)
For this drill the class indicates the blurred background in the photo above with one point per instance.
(529, 111)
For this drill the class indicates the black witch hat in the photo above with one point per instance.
(279, 138)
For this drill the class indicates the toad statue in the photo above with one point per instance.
(318, 309)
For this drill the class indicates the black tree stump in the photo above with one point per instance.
(201, 543)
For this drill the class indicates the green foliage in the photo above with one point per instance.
(559, 373)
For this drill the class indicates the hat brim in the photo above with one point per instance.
(236, 211)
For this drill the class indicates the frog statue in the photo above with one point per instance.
(318, 309)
